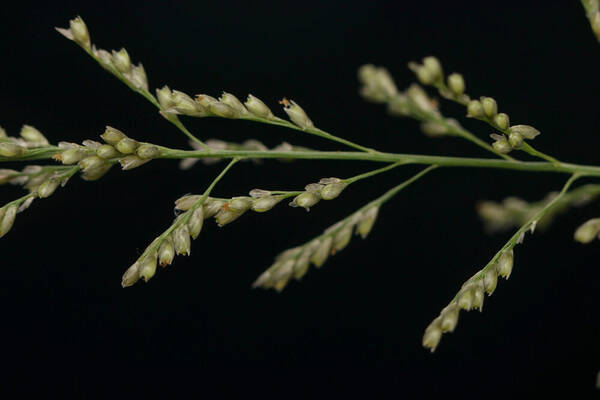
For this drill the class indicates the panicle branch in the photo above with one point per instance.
(471, 295)
(294, 262)
(177, 238)
(514, 212)
(485, 109)
(415, 103)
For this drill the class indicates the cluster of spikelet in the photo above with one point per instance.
(197, 208)
(470, 297)
(39, 181)
(294, 263)
(95, 158)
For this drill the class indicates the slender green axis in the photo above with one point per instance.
(532, 166)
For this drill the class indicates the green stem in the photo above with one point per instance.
(371, 173)
(534, 166)
(392, 192)
(526, 147)
(287, 193)
(20, 200)
(40, 153)
(313, 131)
(460, 132)
(174, 119)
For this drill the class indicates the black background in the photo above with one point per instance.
(354, 326)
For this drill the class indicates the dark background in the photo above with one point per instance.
(355, 326)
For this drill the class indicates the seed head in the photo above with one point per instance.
(47, 188)
(526, 131)
(71, 156)
(456, 84)
(112, 135)
(233, 102)
(166, 252)
(77, 32)
(322, 252)
(147, 267)
(131, 162)
(10, 149)
(106, 151)
(502, 121)
(504, 264)
(490, 107)
(588, 231)
(131, 276)
(332, 190)
(266, 203)
(296, 113)
(257, 107)
(306, 200)
(475, 109)
(195, 222)
(366, 222)
(449, 316)
(33, 137)
(433, 335)
(7, 218)
(490, 280)
(121, 61)
(181, 240)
